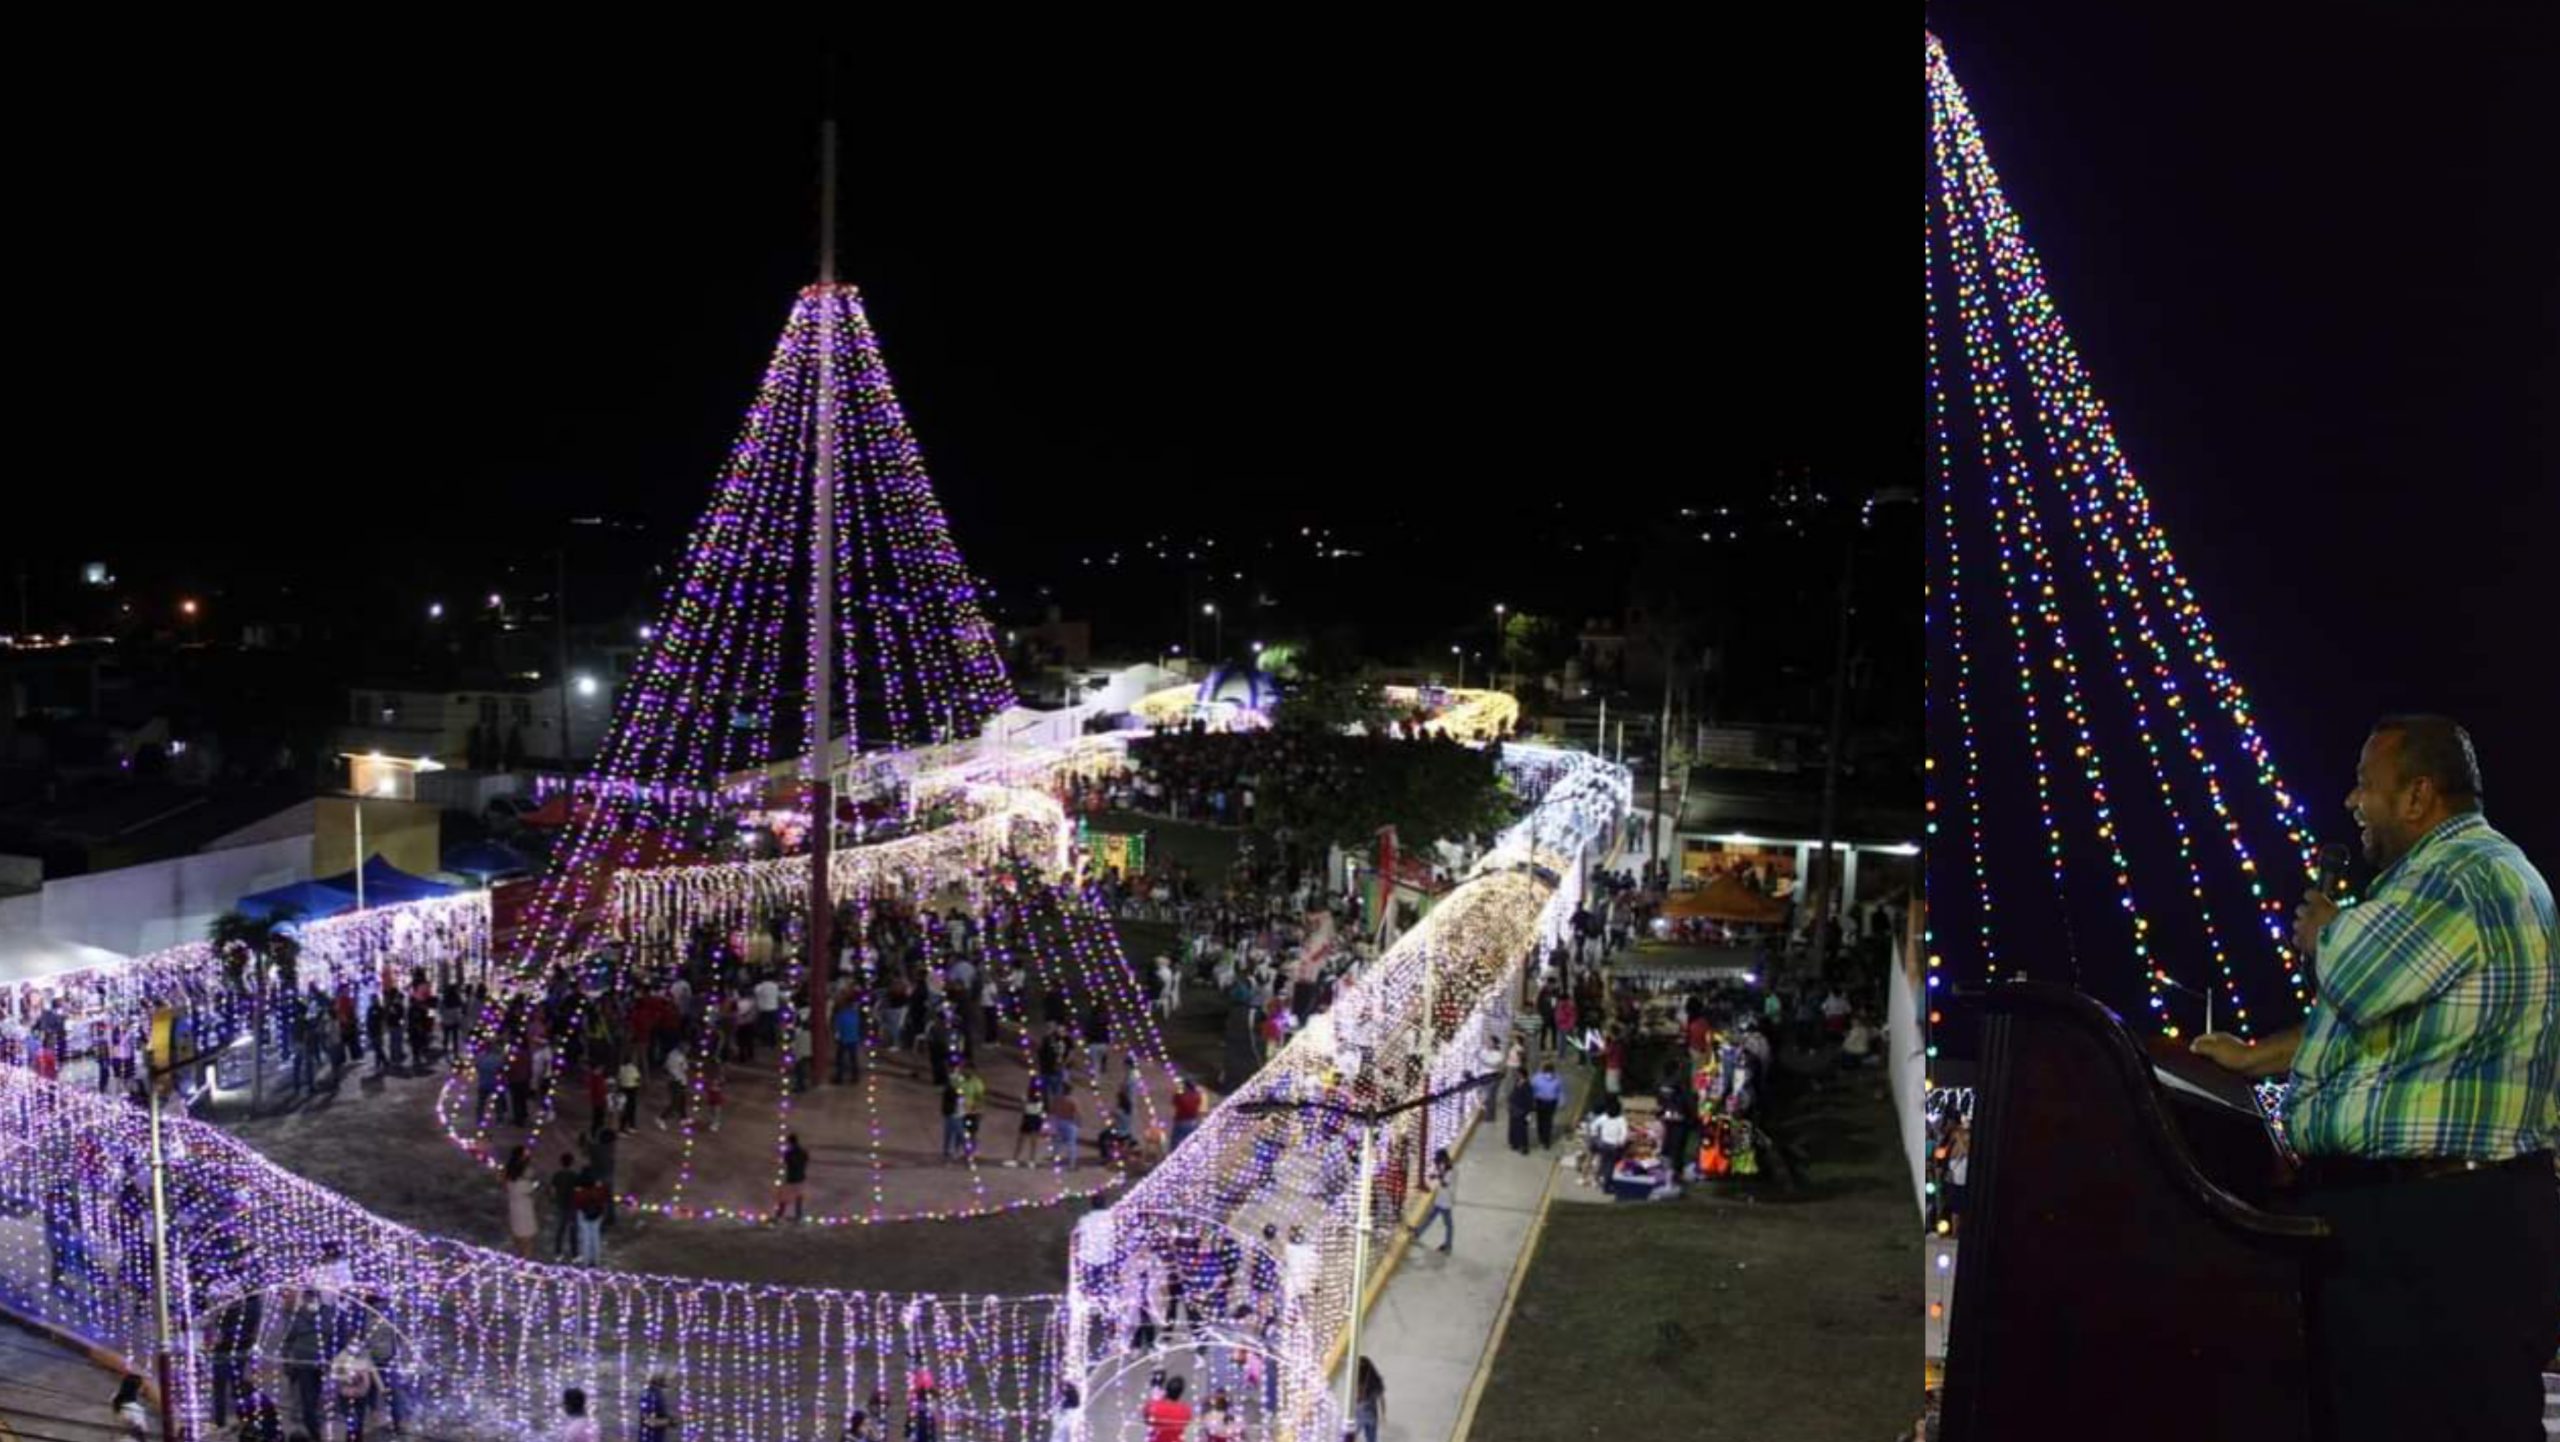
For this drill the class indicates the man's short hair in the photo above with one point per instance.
(2439, 750)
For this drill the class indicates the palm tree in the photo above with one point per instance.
(237, 936)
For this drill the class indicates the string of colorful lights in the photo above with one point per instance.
(702, 731)
(493, 1337)
(2043, 443)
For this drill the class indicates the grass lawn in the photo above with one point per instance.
(1794, 1318)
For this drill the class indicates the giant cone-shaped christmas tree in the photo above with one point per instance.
(823, 567)
(2103, 808)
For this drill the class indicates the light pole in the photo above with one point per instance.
(1217, 631)
(160, 1067)
(1368, 1119)
(1493, 667)
(1461, 653)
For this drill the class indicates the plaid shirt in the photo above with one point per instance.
(2437, 1028)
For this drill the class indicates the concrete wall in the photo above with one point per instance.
(408, 834)
(21, 873)
(296, 820)
(135, 909)
(1906, 1043)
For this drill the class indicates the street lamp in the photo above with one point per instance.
(1217, 628)
(435, 610)
(1499, 611)
(1461, 654)
(1368, 1119)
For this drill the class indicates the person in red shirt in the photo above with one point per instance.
(1168, 1416)
(1188, 1102)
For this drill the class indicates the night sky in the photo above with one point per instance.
(2312, 260)
(432, 304)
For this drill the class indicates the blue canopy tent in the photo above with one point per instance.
(387, 885)
(311, 900)
(482, 860)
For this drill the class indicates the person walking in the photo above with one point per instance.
(1608, 1140)
(575, 1424)
(563, 1188)
(1168, 1417)
(792, 1196)
(1034, 1109)
(955, 1131)
(1546, 1091)
(848, 1027)
(601, 1147)
(382, 1344)
(627, 1086)
(1444, 1201)
(1188, 1103)
(523, 1188)
(679, 1089)
(657, 1419)
(133, 1419)
(803, 1045)
(1519, 1103)
(594, 1201)
(306, 1360)
(1064, 1119)
(1369, 1401)
(353, 1378)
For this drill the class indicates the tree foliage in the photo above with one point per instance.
(1329, 788)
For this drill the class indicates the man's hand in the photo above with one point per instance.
(2250, 1059)
(2224, 1050)
(2309, 919)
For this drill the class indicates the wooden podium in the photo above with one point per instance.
(2122, 1271)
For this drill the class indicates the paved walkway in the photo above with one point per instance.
(48, 1391)
(1433, 1327)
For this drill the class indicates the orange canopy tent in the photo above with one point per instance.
(1725, 899)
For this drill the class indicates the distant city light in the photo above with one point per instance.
(187, 606)
(435, 610)
(587, 687)
(493, 599)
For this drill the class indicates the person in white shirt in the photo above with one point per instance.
(1859, 1044)
(768, 1009)
(1608, 1142)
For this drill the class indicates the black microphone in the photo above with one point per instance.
(2333, 870)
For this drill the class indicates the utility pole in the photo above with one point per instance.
(822, 627)
(1829, 869)
(1662, 755)
(160, 1067)
(1826, 864)
(1368, 1119)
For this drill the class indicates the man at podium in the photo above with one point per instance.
(2424, 1100)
